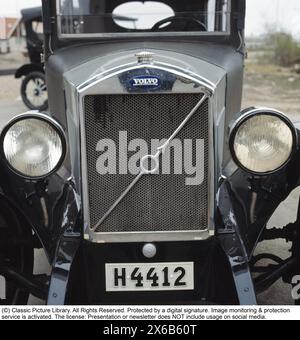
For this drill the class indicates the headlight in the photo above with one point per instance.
(262, 141)
(33, 145)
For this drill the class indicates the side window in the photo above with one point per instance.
(34, 32)
(37, 27)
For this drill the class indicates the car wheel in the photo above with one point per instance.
(34, 91)
(17, 257)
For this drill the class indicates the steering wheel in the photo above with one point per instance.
(176, 21)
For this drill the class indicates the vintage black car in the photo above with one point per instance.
(145, 183)
(33, 87)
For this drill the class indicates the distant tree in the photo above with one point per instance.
(285, 48)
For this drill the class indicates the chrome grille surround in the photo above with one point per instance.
(187, 84)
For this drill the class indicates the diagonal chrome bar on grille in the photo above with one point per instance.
(163, 148)
(156, 157)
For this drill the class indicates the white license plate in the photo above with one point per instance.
(123, 277)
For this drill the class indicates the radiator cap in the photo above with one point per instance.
(145, 57)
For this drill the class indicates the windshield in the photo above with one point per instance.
(100, 17)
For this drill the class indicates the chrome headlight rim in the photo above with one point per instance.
(42, 117)
(253, 112)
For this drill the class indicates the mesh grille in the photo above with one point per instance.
(157, 202)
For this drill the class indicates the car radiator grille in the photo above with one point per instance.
(157, 202)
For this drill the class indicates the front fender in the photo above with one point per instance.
(51, 207)
(28, 68)
(253, 200)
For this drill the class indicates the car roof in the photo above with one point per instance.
(31, 13)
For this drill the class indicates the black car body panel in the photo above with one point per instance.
(33, 41)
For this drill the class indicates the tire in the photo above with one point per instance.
(19, 258)
(34, 91)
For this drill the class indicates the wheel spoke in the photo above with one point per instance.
(36, 92)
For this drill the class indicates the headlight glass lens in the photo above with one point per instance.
(263, 143)
(33, 147)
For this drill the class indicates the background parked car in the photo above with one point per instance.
(33, 88)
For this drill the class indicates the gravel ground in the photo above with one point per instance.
(9, 89)
(266, 94)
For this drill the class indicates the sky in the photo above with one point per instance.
(280, 14)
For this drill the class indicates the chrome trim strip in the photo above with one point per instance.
(141, 35)
(207, 85)
(246, 113)
(157, 236)
(160, 151)
(38, 115)
(93, 236)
